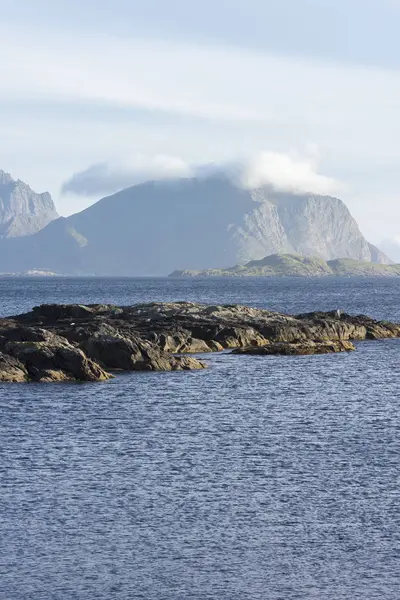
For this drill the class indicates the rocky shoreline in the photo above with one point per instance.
(92, 343)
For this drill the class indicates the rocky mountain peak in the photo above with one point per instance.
(5, 178)
(23, 211)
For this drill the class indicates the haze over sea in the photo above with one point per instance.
(261, 478)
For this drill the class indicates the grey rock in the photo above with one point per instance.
(22, 211)
(117, 352)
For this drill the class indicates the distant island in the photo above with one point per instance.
(296, 265)
(32, 273)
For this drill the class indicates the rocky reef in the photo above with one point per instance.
(89, 343)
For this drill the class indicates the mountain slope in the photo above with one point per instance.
(22, 211)
(153, 228)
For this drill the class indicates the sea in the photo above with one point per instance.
(260, 478)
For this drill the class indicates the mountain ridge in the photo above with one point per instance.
(150, 228)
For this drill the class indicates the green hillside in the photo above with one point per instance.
(296, 265)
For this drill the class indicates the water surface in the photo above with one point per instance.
(262, 478)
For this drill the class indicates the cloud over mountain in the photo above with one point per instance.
(287, 173)
(114, 175)
(282, 172)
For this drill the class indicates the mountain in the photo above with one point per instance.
(22, 211)
(155, 227)
(295, 265)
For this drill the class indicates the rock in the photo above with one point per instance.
(181, 341)
(11, 369)
(28, 334)
(114, 352)
(50, 376)
(179, 327)
(356, 327)
(233, 337)
(306, 347)
(63, 311)
(79, 342)
(119, 353)
(48, 357)
(186, 363)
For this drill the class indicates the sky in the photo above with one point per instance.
(96, 95)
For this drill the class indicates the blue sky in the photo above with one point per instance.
(133, 87)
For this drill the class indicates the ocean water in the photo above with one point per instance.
(262, 478)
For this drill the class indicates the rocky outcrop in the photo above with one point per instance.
(298, 348)
(12, 370)
(23, 211)
(135, 354)
(201, 223)
(86, 343)
(45, 356)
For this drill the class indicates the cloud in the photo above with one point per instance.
(288, 173)
(148, 74)
(64, 106)
(283, 172)
(206, 81)
(110, 176)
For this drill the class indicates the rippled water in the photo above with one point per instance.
(260, 478)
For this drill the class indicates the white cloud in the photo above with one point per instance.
(286, 172)
(116, 174)
(195, 101)
(283, 172)
(138, 73)
(212, 82)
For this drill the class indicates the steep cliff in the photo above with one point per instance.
(22, 211)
